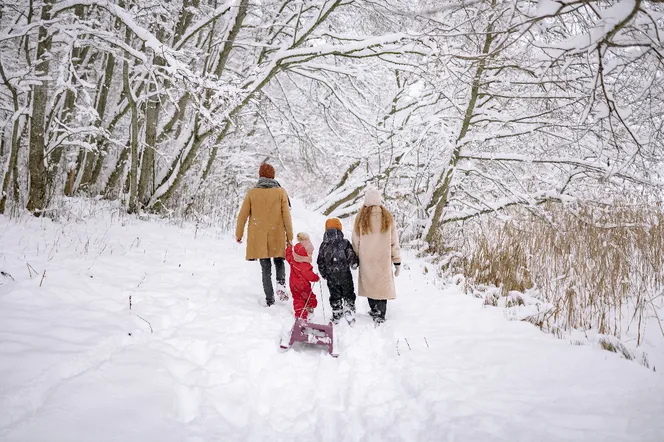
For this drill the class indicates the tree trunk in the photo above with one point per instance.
(440, 195)
(350, 197)
(85, 172)
(146, 183)
(91, 158)
(116, 175)
(177, 173)
(133, 171)
(102, 142)
(223, 58)
(132, 206)
(219, 70)
(232, 35)
(184, 19)
(12, 168)
(38, 179)
(66, 115)
(176, 120)
(199, 139)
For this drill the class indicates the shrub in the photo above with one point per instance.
(599, 267)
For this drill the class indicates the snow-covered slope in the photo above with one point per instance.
(76, 364)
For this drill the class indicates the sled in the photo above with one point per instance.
(310, 333)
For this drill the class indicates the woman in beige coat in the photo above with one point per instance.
(376, 243)
(267, 208)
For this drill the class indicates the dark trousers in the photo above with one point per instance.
(378, 309)
(342, 293)
(266, 268)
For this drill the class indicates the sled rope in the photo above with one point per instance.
(309, 297)
(320, 285)
(301, 311)
(305, 304)
(306, 330)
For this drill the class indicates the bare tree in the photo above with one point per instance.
(37, 194)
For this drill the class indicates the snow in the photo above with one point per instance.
(548, 7)
(616, 14)
(347, 48)
(78, 365)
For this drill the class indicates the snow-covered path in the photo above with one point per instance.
(77, 365)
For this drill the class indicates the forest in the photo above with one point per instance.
(518, 142)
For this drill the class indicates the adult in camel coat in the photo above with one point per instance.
(267, 209)
(376, 244)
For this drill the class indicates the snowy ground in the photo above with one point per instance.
(77, 365)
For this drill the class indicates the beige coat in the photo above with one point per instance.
(270, 224)
(377, 252)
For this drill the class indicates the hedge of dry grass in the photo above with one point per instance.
(591, 263)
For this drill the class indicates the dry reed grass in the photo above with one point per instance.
(593, 264)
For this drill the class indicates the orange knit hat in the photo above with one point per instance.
(333, 223)
(266, 171)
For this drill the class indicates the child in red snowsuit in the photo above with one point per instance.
(302, 275)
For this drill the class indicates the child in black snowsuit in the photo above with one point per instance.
(335, 259)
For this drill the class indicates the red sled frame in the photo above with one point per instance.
(310, 333)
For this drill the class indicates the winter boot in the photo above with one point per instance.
(337, 315)
(349, 315)
(350, 318)
(378, 310)
(349, 311)
(282, 293)
(378, 321)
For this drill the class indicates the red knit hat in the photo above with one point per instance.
(266, 171)
(301, 254)
(333, 223)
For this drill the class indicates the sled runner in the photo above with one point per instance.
(310, 333)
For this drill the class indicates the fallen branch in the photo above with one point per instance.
(141, 282)
(408, 344)
(31, 269)
(98, 255)
(42, 278)
(151, 331)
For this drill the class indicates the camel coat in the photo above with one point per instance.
(377, 252)
(270, 224)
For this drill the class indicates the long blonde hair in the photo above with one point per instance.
(363, 220)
